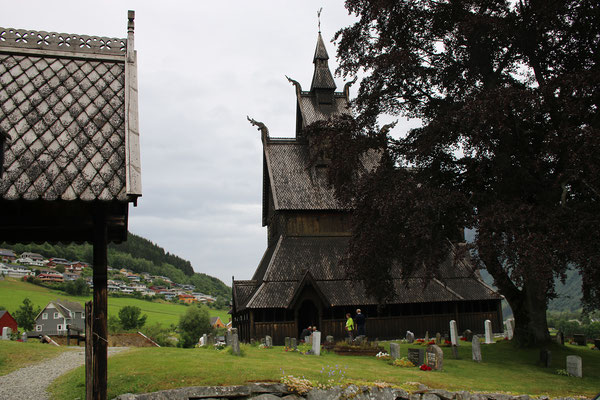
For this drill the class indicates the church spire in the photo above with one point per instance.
(322, 82)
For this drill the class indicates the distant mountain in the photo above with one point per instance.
(137, 254)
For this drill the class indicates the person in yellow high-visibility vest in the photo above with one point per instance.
(349, 326)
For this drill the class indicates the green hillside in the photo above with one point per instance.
(12, 293)
(138, 255)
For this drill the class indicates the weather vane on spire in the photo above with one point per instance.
(319, 18)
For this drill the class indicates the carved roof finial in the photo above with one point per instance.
(347, 87)
(130, 29)
(296, 85)
(261, 127)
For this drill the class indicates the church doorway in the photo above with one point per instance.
(308, 314)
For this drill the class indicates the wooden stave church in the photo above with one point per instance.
(299, 280)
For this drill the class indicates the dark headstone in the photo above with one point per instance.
(235, 345)
(455, 352)
(438, 338)
(329, 339)
(560, 337)
(597, 344)
(416, 356)
(394, 350)
(287, 341)
(410, 337)
(545, 358)
(468, 335)
(252, 341)
(294, 344)
(435, 357)
(580, 339)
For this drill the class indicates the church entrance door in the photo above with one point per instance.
(308, 314)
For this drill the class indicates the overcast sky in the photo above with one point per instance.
(203, 66)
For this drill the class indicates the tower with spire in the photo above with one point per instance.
(299, 281)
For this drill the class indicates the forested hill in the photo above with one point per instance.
(138, 255)
(139, 247)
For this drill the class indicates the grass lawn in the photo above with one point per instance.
(15, 355)
(12, 293)
(504, 369)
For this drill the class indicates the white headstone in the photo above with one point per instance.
(510, 328)
(6, 331)
(268, 341)
(488, 332)
(316, 343)
(24, 337)
(476, 349)
(410, 337)
(574, 366)
(204, 340)
(394, 350)
(453, 333)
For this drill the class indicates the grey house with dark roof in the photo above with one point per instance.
(300, 282)
(58, 316)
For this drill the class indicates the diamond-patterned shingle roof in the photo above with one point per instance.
(65, 113)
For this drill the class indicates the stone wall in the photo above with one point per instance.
(267, 391)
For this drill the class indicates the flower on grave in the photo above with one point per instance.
(382, 354)
(420, 340)
(403, 362)
(464, 339)
(447, 342)
(431, 342)
(425, 367)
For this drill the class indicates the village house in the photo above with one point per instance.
(216, 322)
(51, 276)
(58, 316)
(187, 298)
(7, 255)
(15, 271)
(300, 280)
(33, 256)
(7, 321)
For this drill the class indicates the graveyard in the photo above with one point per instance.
(502, 369)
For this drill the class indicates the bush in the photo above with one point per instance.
(130, 317)
(160, 334)
(193, 324)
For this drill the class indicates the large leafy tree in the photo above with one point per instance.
(508, 92)
(131, 318)
(193, 324)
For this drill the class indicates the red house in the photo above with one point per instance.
(7, 320)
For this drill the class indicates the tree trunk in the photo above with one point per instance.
(529, 304)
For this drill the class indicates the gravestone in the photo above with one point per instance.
(545, 358)
(263, 342)
(476, 347)
(228, 338)
(416, 356)
(426, 336)
(268, 341)
(435, 357)
(574, 366)
(438, 338)
(234, 331)
(597, 344)
(24, 337)
(6, 331)
(510, 328)
(410, 337)
(316, 343)
(468, 334)
(489, 339)
(455, 352)
(454, 333)
(211, 339)
(329, 339)
(580, 339)
(252, 342)
(394, 351)
(294, 344)
(235, 345)
(204, 340)
(287, 341)
(560, 338)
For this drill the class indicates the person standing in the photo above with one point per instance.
(360, 320)
(306, 332)
(349, 326)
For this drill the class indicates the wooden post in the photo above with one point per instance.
(89, 376)
(100, 331)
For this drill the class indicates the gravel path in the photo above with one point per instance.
(31, 382)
